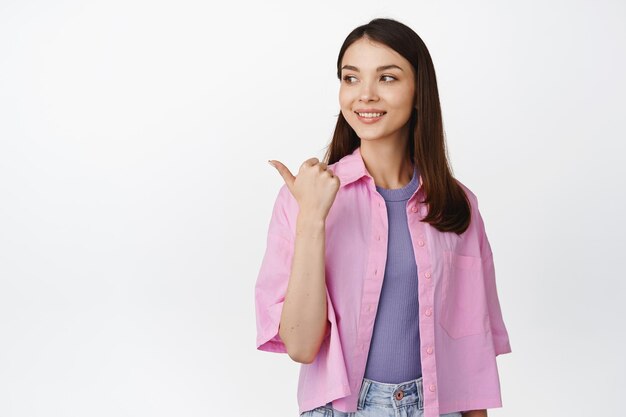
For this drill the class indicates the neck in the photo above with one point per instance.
(387, 163)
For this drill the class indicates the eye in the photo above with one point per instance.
(346, 78)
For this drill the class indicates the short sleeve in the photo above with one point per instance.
(498, 329)
(273, 277)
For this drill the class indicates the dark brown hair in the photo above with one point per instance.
(448, 205)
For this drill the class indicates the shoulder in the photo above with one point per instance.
(476, 217)
(470, 194)
(284, 198)
(286, 208)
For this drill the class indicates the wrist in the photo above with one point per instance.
(310, 224)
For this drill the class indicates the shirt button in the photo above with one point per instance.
(399, 395)
(429, 311)
(377, 237)
(369, 307)
(376, 271)
(420, 242)
(431, 387)
(427, 274)
(429, 350)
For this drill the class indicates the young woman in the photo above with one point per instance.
(378, 276)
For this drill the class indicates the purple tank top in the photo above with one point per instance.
(394, 354)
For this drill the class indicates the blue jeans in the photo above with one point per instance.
(378, 399)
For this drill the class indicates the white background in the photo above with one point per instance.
(135, 194)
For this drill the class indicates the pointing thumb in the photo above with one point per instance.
(284, 172)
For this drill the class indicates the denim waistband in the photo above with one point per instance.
(391, 395)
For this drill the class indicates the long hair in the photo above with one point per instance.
(448, 205)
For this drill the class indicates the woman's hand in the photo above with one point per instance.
(314, 188)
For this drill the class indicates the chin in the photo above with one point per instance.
(367, 134)
(368, 137)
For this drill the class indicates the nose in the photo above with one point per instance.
(368, 91)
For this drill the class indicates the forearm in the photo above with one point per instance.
(304, 316)
(475, 413)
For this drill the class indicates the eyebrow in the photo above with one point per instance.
(381, 68)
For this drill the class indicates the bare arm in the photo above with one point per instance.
(304, 318)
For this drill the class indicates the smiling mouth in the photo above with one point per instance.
(370, 115)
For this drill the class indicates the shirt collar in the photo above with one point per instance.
(351, 168)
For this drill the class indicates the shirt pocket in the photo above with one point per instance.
(464, 309)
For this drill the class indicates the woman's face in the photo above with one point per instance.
(368, 84)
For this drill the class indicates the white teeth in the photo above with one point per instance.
(370, 114)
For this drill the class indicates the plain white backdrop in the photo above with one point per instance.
(135, 192)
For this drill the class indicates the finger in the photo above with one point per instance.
(311, 161)
(285, 173)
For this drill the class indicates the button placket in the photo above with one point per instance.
(426, 298)
(371, 286)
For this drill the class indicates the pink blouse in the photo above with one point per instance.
(461, 325)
